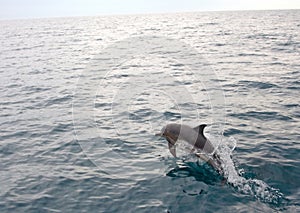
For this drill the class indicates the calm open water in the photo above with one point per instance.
(79, 112)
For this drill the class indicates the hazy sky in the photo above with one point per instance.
(11, 9)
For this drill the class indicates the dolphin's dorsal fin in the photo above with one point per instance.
(200, 129)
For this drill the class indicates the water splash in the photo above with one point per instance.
(249, 186)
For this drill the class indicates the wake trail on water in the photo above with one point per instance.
(249, 186)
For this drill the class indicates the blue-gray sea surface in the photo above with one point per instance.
(79, 112)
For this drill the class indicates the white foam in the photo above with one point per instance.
(253, 187)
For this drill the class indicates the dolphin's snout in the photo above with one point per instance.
(158, 134)
(161, 133)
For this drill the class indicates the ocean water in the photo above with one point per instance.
(82, 99)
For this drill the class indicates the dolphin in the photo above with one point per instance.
(195, 137)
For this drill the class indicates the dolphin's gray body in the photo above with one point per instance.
(195, 137)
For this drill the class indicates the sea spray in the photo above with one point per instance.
(253, 187)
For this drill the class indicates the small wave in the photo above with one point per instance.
(258, 85)
(169, 114)
(57, 100)
(291, 105)
(265, 116)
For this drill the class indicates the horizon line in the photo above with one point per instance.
(138, 14)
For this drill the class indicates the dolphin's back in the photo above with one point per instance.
(195, 137)
(188, 134)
